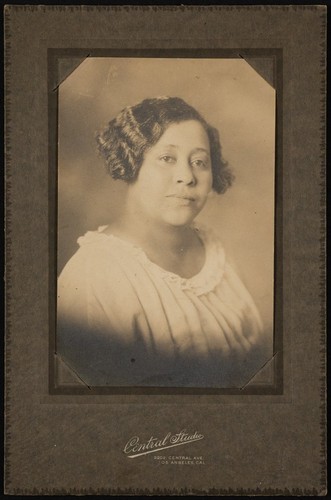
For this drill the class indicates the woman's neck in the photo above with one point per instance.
(177, 249)
(153, 236)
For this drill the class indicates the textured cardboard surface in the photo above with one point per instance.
(262, 443)
(171, 74)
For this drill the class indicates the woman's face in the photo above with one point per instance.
(176, 176)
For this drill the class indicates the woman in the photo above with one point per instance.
(151, 299)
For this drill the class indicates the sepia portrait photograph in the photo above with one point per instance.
(165, 222)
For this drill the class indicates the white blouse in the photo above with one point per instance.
(123, 320)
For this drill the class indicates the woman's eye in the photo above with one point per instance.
(167, 159)
(199, 163)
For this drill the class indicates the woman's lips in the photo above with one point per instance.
(181, 200)
(181, 197)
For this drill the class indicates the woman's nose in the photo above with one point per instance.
(184, 174)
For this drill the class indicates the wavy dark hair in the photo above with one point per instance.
(137, 128)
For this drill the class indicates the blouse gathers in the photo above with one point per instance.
(123, 320)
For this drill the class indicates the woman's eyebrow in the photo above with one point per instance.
(203, 150)
(167, 146)
(175, 146)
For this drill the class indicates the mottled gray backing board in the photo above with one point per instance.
(262, 444)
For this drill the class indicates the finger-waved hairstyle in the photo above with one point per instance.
(137, 128)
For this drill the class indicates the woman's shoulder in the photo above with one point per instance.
(209, 237)
(97, 253)
(100, 243)
(221, 254)
(92, 240)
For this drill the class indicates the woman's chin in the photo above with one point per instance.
(180, 219)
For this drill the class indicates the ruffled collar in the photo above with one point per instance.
(203, 282)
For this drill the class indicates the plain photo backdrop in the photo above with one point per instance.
(231, 96)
